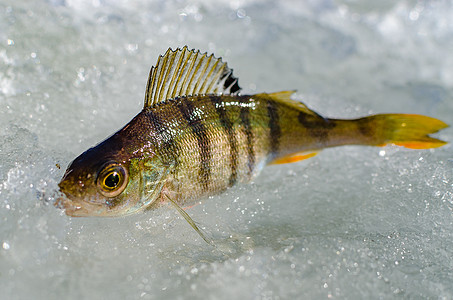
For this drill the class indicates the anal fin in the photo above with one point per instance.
(293, 157)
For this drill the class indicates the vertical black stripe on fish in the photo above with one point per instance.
(168, 148)
(245, 119)
(275, 131)
(316, 125)
(227, 126)
(204, 145)
(364, 127)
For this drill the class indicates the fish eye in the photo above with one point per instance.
(112, 179)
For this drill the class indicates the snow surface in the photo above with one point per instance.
(350, 223)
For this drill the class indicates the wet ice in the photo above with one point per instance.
(352, 222)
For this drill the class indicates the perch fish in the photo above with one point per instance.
(196, 136)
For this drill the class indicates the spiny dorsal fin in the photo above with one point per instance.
(184, 72)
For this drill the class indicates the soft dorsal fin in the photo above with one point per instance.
(285, 97)
(184, 72)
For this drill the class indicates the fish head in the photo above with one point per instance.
(120, 176)
(89, 193)
(104, 183)
(94, 185)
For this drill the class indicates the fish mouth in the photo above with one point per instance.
(74, 208)
(70, 207)
(74, 204)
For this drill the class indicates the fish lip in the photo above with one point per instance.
(80, 208)
(69, 206)
(75, 207)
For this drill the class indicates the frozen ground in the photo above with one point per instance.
(353, 222)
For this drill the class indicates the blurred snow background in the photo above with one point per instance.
(353, 222)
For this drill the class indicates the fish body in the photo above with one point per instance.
(197, 136)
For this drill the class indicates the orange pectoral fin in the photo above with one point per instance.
(293, 158)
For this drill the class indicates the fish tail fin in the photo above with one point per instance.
(407, 130)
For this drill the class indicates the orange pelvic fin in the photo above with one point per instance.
(294, 157)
